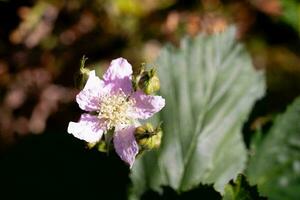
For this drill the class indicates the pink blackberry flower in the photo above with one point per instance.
(113, 105)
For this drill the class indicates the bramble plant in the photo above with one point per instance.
(210, 87)
(206, 104)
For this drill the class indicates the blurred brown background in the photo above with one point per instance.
(42, 42)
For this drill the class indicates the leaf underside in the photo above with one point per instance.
(210, 86)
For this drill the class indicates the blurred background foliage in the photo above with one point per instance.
(42, 42)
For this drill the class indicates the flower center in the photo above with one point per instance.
(114, 110)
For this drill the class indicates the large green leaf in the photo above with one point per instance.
(275, 167)
(210, 86)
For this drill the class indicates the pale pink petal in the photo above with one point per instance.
(118, 69)
(89, 128)
(126, 145)
(88, 98)
(118, 75)
(146, 105)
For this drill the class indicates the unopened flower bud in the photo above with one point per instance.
(153, 85)
(147, 137)
(143, 129)
(102, 146)
(147, 81)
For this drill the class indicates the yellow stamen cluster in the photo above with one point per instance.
(114, 109)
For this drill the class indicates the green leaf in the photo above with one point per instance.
(275, 166)
(235, 191)
(240, 190)
(210, 87)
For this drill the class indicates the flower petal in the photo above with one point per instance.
(119, 75)
(88, 99)
(118, 69)
(126, 145)
(89, 128)
(146, 105)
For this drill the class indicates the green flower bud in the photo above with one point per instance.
(141, 130)
(153, 85)
(147, 81)
(147, 137)
(102, 146)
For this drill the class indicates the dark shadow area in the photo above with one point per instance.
(55, 165)
(201, 192)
